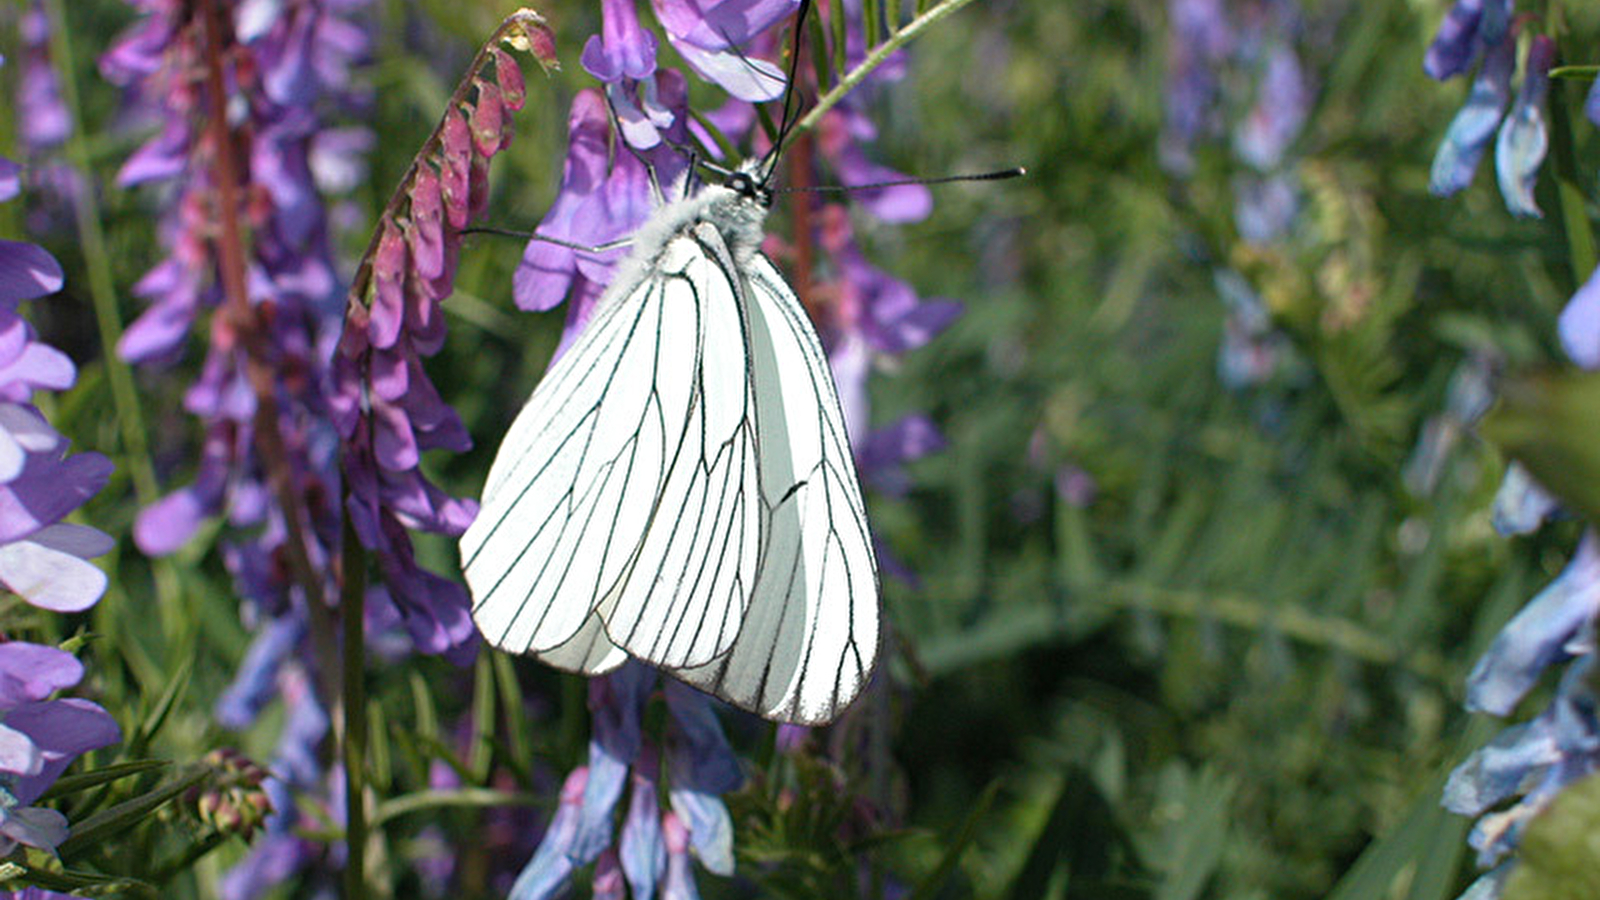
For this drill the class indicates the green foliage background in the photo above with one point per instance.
(1235, 674)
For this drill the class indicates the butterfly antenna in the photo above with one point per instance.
(998, 175)
(786, 123)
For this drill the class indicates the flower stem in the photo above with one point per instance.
(876, 58)
(352, 596)
(250, 331)
(1574, 217)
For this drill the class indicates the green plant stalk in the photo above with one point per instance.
(102, 292)
(191, 854)
(1574, 215)
(874, 59)
(352, 596)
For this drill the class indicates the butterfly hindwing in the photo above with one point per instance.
(810, 633)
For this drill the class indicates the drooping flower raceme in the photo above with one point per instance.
(1482, 31)
(1517, 775)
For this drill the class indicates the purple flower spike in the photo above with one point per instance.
(1521, 146)
(1539, 635)
(1472, 128)
(623, 49)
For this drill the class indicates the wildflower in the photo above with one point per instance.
(701, 766)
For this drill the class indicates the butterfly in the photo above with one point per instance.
(680, 487)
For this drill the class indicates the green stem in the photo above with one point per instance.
(352, 596)
(875, 58)
(1574, 215)
(185, 860)
(102, 290)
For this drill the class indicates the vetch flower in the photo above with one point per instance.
(700, 764)
(1521, 146)
(708, 34)
(1474, 126)
(623, 49)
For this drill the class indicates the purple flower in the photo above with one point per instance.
(700, 764)
(1579, 325)
(623, 49)
(1532, 762)
(1521, 505)
(1551, 628)
(40, 737)
(1520, 148)
(1473, 127)
(882, 455)
(709, 33)
(43, 121)
(1456, 44)
(551, 864)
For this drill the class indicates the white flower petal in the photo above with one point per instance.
(751, 80)
(35, 827)
(18, 753)
(50, 578)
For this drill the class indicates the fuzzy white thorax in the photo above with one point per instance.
(736, 217)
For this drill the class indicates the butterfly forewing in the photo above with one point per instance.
(682, 602)
(571, 491)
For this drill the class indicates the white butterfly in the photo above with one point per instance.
(680, 487)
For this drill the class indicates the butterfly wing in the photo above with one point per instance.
(809, 636)
(683, 600)
(634, 435)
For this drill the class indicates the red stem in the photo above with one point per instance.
(249, 327)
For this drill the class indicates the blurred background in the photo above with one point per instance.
(1182, 597)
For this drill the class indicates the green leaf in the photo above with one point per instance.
(1195, 842)
(1546, 421)
(929, 886)
(1081, 839)
(72, 784)
(124, 816)
(1560, 851)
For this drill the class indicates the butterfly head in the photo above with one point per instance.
(746, 182)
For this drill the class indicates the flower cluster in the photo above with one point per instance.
(44, 561)
(1518, 773)
(1243, 73)
(279, 59)
(386, 410)
(652, 851)
(1482, 32)
(241, 94)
